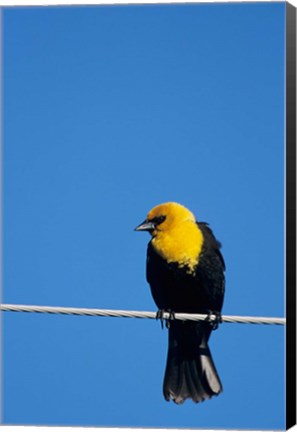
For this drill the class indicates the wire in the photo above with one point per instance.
(138, 314)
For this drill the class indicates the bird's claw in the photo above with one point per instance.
(170, 318)
(160, 316)
(216, 321)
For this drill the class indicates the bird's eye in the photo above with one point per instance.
(158, 220)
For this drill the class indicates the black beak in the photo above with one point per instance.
(146, 226)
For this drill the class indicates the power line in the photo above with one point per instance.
(138, 314)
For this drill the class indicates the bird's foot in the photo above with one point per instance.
(160, 316)
(215, 322)
(170, 318)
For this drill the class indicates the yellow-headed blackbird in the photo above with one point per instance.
(185, 270)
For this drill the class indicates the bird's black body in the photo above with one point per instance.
(190, 371)
(179, 286)
(176, 289)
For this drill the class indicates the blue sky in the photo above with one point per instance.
(109, 111)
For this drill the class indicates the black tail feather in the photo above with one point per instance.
(190, 371)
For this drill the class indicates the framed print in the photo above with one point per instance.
(149, 171)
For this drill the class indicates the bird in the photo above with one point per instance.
(186, 273)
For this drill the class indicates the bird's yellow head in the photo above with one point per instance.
(166, 217)
(176, 236)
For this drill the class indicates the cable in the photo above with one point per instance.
(138, 314)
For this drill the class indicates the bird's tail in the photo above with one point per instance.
(190, 370)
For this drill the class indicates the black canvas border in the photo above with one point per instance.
(290, 215)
